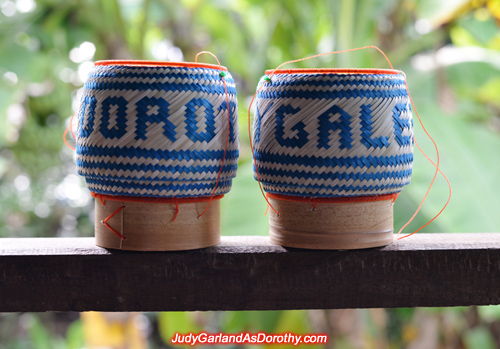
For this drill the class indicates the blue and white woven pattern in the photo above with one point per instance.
(157, 131)
(333, 135)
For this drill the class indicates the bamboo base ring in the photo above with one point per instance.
(148, 226)
(332, 226)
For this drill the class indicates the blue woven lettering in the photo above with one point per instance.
(232, 107)
(401, 124)
(366, 130)
(341, 123)
(149, 116)
(258, 121)
(192, 124)
(119, 129)
(297, 141)
(88, 102)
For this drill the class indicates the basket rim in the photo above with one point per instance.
(338, 71)
(146, 63)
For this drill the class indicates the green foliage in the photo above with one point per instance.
(170, 323)
(479, 337)
(41, 338)
(243, 208)
(74, 336)
(234, 322)
(465, 150)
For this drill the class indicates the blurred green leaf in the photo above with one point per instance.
(41, 338)
(483, 31)
(74, 336)
(466, 158)
(170, 323)
(235, 321)
(243, 208)
(269, 321)
(489, 313)
(489, 92)
(479, 337)
(294, 321)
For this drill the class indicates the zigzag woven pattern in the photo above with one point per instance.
(333, 134)
(157, 131)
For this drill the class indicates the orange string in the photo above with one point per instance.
(99, 196)
(334, 71)
(228, 128)
(335, 52)
(69, 128)
(425, 197)
(436, 165)
(176, 201)
(105, 222)
(135, 63)
(396, 197)
(176, 211)
(71, 123)
(321, 200)
(253, 155)
(153, 200)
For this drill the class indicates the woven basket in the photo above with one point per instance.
(152, 138)
(333, 149)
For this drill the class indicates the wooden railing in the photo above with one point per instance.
(248, 273)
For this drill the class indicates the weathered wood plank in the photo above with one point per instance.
(249, 273)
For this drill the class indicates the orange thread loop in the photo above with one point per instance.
(253, 152)
(98, 196)
(105, 222)
(222, 74)
(322, 200)
(152, 200)
(176, 211)
(336, 52)
(69, 128)
(436, 165)
(314, 204)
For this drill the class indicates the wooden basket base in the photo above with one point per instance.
(332, 226)
(149, 227)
